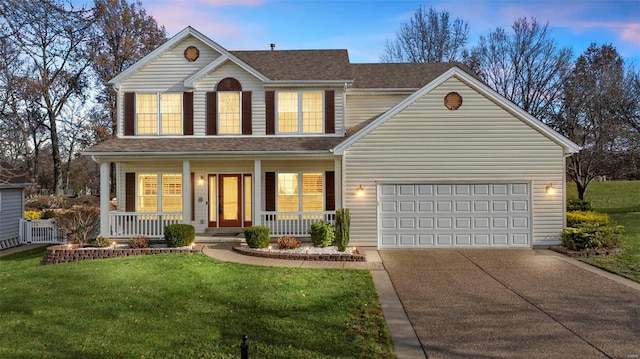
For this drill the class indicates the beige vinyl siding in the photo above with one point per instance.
(362, 108)
(12, 207)
(479, 143)
(165, 74)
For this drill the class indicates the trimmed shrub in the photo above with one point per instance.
(257, 236)
(288, 243)
(576, 218)
(590, 236)
(103, 242)
(575, 204)
(48, 214)
(343, 223)
(322, 234)
(139, 242)
(179, 235)
(32, 215)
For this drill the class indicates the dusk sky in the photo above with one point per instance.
(363, 27)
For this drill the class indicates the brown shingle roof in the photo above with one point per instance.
(206, 145)
(400, 75)
(299, 64)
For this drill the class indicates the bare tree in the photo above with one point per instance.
(52, 41)
(124, 34)
(526, 66)
(428, 36)
(600, 113)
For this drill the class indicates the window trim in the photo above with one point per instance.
(300, 114)
(158, 114)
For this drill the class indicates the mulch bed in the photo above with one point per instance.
(570, 253)
(358, 256)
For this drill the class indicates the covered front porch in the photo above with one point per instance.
(287, 195)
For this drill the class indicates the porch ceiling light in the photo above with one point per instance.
(551, 191)
(359, 191)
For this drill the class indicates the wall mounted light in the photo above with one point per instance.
(551, 191)
(359, 191)
(201, 180)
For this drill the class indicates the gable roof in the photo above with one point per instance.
(299, 64)
(186, 32)
(480, 87)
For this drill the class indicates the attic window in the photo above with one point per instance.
(453, 101)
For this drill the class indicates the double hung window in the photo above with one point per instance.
(159, 192)
(159, 114)
(229, 115)
(300, 112)
(300, 192)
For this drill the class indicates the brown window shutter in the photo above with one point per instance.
(246, 113)
(187, 113)
(129, 113)
(212, 113)
(130, 192)
(193, 196)
(329, 112)
(270, 191)
(330, 191)
(270, 105)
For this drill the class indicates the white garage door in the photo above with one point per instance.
(454, 215)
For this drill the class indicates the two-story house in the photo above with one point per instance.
(423, 155)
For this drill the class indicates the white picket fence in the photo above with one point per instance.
(40, 231)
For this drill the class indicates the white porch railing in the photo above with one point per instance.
(131, 224)
(294, 224)
(40, 231)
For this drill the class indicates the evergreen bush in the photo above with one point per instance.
(179, 235)
(322, 234)
(257, 236)
(343, 224)
(575, 204)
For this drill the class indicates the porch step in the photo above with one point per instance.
(225, 232)
(208, 238)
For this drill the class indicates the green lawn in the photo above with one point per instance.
(621, 199)
(185, 306)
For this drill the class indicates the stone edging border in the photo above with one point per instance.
(574, 254)
(68, 253)
(358, 257)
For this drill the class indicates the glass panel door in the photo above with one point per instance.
(230, 200)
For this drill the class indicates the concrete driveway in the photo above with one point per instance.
(514, 304)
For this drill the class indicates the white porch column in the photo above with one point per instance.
(337, 168)
(105, 173)
(256, 204)
(186, 192)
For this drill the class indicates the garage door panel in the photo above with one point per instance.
(407, 207)
(455, 215)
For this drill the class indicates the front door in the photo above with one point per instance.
(230, 200)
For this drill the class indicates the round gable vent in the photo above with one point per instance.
(453, 101)
(191, 53)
